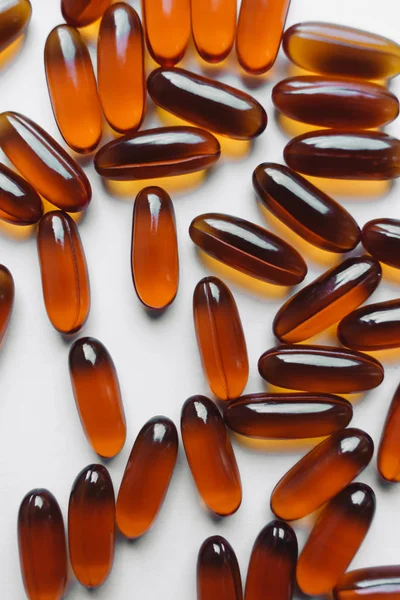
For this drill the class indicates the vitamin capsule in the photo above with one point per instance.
(167, 26)
(248, 248)
(259, 33)
(44, 163)
(288, 416)
(91, 525)
(160, 152)
(272, 567)
(14, 19)
(304, 208)
(381, 238)
(154, 254)
(218, 574)
(389, 449)
(335, 539)
(322, 473)
(213, 43)
(7, 292)
(120, 68)
(327, 299)
(320, 369)
(372, 327)
(372, 583)
(210, 456)
(97, 396)
(20, 204)
(80, 13)
(369, 155)
(147, 476)
(220, 338)
(207, 103)
(338, 50)
(64, 273)
(42, 547)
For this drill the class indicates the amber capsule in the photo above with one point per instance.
(213, 43)
(218, 574)
(147, 476)
(42, 546)
(97, 396)
(372, 583)
(389, 449)
(7, 292)
(44, 163)
(80, 13)
(91, 525)
(220, 338)
(167, 26)
(14, 19)
(248, 248)
(210, 456)
(372, 327)
(207, 103)
(381, 238)
(335, 539)
(20, 204)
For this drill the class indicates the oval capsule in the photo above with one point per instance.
(207, 103)
(372, 327)
(213, 43)
(220, 338)
(20, 204)
(80, 13)
(210, 456)
(372, 583)
(381, 238)
(218, 574)
(91, 526)
(14, 19)
(44, 163)
(147, 476)
(167, 26)
(7, 292)
(248, 248)
(388, 461)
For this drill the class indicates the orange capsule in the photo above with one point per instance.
(372, 327)
(120, 68)
(7, 292)
(220, 338)
(42, 546)
(372, 583)
(322, 473)
(147, 476)
(154, 253)
(210, 456)
(80, 13)
(91, 526)
(381, 238)
(14, 19)
(64, 273)
(20, 204)
(167, 26)
(97, 395)
(213, 43)
(389, 448)
(218, 574)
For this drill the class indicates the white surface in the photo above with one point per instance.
(41, 440)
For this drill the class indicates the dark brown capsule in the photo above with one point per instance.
(20, 204)
(14, 19)
(381, 238)
(372, 327)
(218, 574)
(372, 583)
(80, 13)
(7, 292)
(389, 449)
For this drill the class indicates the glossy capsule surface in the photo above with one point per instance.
(20, 204)
(80, 13)
(220, 338)
(42, 546)
(335, 539)
(14, 19)
(154, 252)
(167, 26)
(7, 292)
(210, 456)
(218, 574)
(381, 238)
(160, 152)
(248, 248)
(213, 43)
(371, 583)
(120, 68)
(207, 103)
(320, 369)
(272, 567)
(44, 163)
(389, 448)
(372, 327)
(322, 473)
(147, 476)
(97, 395)
(91, 525)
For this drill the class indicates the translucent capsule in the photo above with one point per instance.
(42, 546)
(389, 449)
(372, 583)
(91, 526)
(381, 238)
(44, 163)
(210, 456)
(80, 13)
(372, 327)
(218, 574)
(7, 292)
(335, 539)
(220, 338)
(167, 26)
(20, 204)
(14, 19)
(207, 103)
(147, 476)
(213, 43)
(97, 395)
(327, 299)
(248, 248)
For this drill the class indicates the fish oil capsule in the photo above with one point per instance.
(147, 476)
(14, 19)
(80, 13)
(322, 473)
(372, 327)
(218, 574)
(42, 547)
(210, 456)
(20, 204)
(288, 416)
(272, 567)
(7, 292)
(259, 33)
(320, 369)
(207, 103)
(154, 254)
(372, 583)
(335, 539)
(97, 395)
(248, 248)
(381, 238)
(44, 163)
(91, 526)
(65, 281)
(327, 299)
(389, 449)
(304, 208)
(120, 68)
(220, 338)
(160, 152)
(213, 43)
(167, 26)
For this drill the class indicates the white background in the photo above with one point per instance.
(41, 440)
